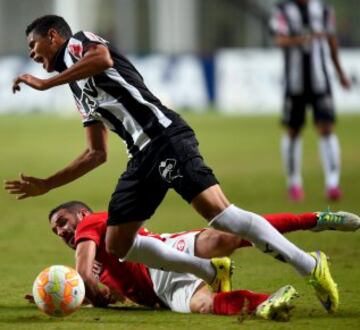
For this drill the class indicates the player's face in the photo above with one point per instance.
(63, 223)
(42, 49)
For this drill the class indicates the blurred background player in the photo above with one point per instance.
(304, 29)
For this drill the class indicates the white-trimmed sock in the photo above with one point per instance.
(329, 148)
(156, 254)
(256, 229)
(291, 151)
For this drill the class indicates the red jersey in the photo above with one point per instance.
(130, 279)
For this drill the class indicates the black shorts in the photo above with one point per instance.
(172, 162)
(295, 109)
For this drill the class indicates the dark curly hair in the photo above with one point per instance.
(43, 24)
(72, 206)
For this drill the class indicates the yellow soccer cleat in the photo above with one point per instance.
(278, 306)
(324, 285)
(224, 269)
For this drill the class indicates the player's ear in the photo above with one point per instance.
(52, 35)
(83, 213)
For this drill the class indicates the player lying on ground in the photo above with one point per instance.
(111, 95)
(75, 223)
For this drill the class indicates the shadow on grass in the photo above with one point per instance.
(30, 314)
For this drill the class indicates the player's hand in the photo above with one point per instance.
(103, 297)
(27, 186)
(345, 82)
(33, 82)
(116, 297)
(30, 298)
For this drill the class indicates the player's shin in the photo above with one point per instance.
(155, 254)
(265, 237)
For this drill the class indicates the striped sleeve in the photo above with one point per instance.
(80, 42)
(77, 46)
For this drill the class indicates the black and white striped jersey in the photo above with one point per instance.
(305, 66)
(117, 97)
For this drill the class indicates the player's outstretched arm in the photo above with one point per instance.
(333, 45)
(292, 41)
(85, 257)
(30, 80)
(96, 60)
(93, 156)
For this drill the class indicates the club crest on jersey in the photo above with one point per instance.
(168, 170)
(180, 245)
(75, 48)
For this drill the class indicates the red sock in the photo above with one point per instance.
(235, 302)
(286, 222)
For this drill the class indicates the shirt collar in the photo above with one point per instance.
(59, 64)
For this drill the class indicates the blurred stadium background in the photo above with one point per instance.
(194, 54)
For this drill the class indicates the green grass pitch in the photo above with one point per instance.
(244, 153)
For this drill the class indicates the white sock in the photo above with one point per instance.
(330, 155)
(156, 254)
(256, 229)
(291, 150)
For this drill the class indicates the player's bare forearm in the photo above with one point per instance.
(96, 60)
(291, 41)
(93, 156)
(333, 45)
(297, 40)
(85, 258)
(334, 52)
(27, 186)
(86, 162)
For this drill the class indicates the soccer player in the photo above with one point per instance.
(110, 92)
(83, 230)
(305, 29)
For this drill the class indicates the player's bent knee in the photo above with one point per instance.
(229, 242)
(213, 243)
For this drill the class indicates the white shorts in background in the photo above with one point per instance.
(176, 289)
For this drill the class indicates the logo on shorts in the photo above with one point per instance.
(168, 170)
(180, 245)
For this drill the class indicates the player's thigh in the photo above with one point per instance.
(211, 243)
(294, 110)
(182, 241)
(137, 194)
(183, 168)
(324, 109)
